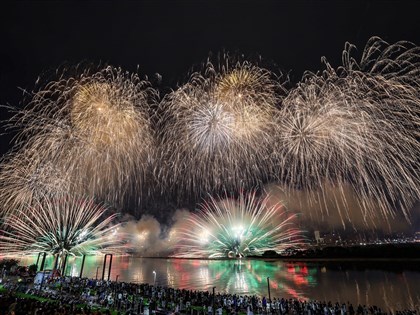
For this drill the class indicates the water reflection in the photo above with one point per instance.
(388, 288)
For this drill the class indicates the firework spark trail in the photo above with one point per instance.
(25, 178)
(60, 226)
(217, 130)
(359, 125)
(96, 126)
(237, 228)
(222, 131)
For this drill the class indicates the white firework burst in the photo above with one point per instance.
(357, 125)
(59, 226)
(233, 228)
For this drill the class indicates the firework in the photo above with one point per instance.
(60, 226)
(229, 127)
(96, 127)
(24, 178)
(356, 125)
(237, 228)
(217, 130)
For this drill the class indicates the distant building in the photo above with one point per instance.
(318, 238)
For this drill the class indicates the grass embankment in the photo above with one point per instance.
(47, 300)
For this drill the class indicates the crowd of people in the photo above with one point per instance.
(72, 295)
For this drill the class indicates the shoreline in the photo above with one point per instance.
(289, 259)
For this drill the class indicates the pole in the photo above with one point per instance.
(56, 261)
(110, 264)
(43, 262)
(37, 260)
(214, 310)
(116, 279)
(97, 268)
(64, 265)
(269, 294)
(83, 264)
(103, 269)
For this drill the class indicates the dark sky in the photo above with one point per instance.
(170, 37)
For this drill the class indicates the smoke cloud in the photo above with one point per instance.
(149, 238)
(328, 211)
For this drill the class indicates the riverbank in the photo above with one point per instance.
(73, 295)
(386, 284)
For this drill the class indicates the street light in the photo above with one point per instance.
(154, 278)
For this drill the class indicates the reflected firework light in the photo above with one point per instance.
(234, 228)
(217, 130)
(96, 126)
(59, 226)
(356, 125)
(246, 277)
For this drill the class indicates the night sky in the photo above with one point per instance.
(170, 37)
